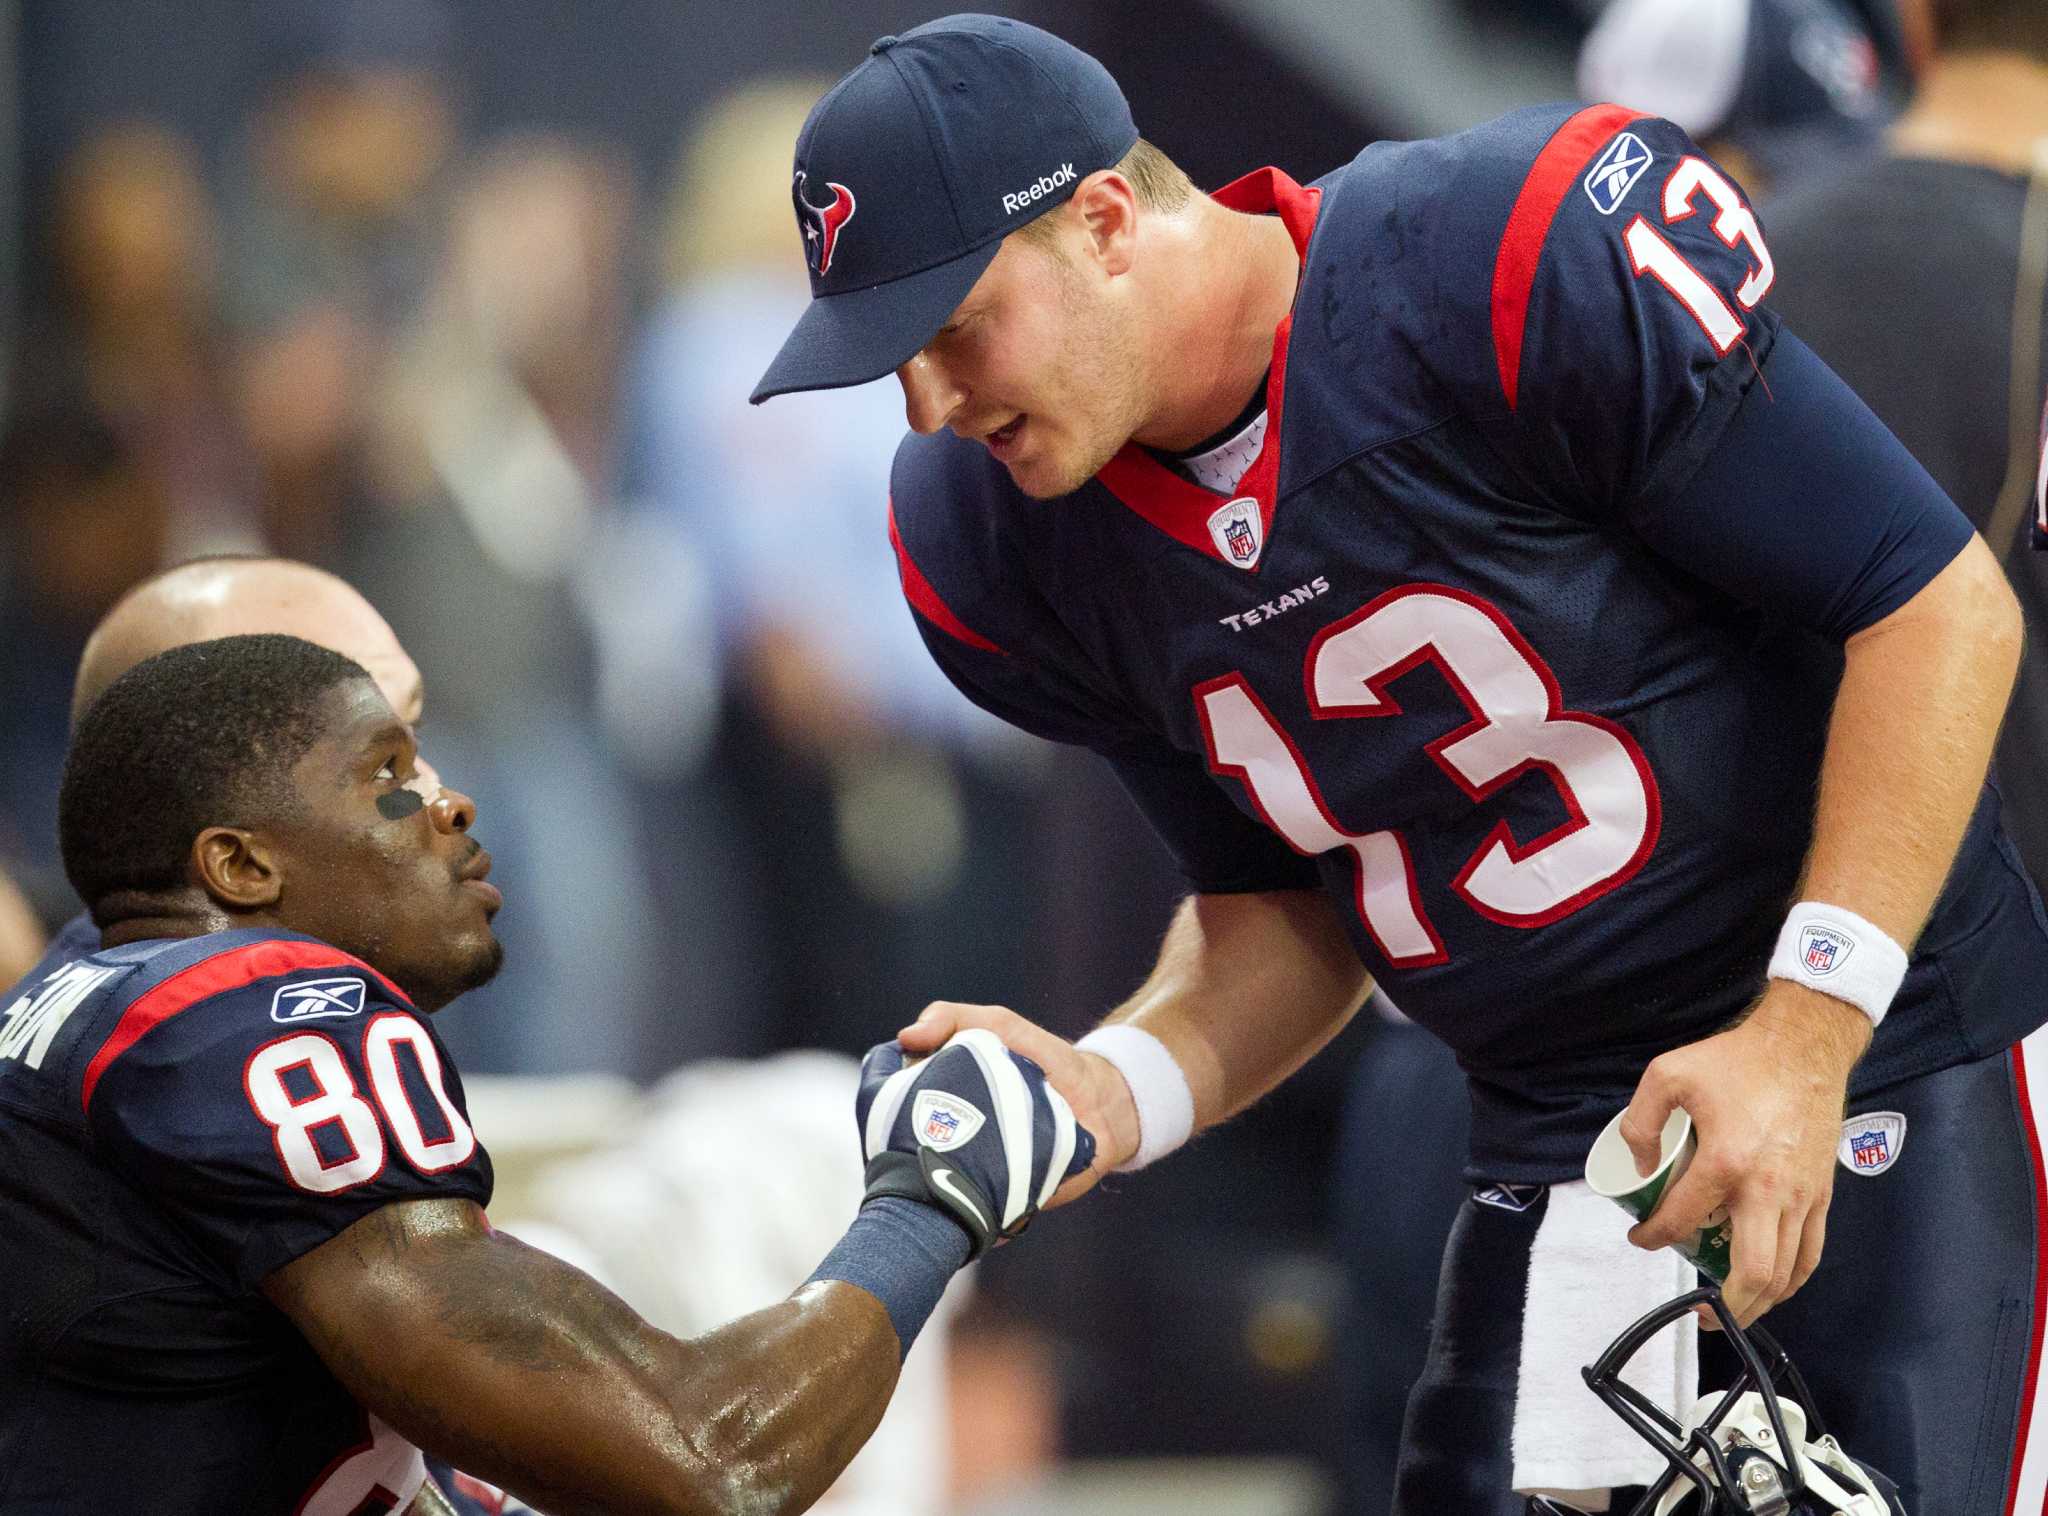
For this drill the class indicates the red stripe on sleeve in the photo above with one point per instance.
(925, 600)
(214, 976)
(1550, 179)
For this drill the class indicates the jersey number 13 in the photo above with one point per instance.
(1518, 724)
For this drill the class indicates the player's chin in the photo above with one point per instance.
(1051, 471)
(460, 962)
(481, 966)
(468, 960)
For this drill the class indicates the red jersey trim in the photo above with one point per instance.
(213, 976)
(925, 600)
(1549, 180)
(1177, 506)
(2028, 1434)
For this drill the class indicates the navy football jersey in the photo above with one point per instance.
(1520, 635)
(179, 1118)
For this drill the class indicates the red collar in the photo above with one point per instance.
(1268, 189)
(1181, 509)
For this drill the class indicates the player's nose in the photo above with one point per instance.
(452, 811)
(930, 394)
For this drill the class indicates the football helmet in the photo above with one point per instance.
(1757, 1448)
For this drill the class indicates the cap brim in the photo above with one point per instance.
(860, 335)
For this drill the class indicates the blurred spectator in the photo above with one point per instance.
(1922, 278)
(504, 390)
(22, 938)
(1777, 90)
(332, 228)
(137, 330)
(87, 520)
(121, 450)
(882, 829)
(491, 468)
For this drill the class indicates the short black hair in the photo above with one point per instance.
(198, 736)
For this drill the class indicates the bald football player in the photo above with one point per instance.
(230, 597)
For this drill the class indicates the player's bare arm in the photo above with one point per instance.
(517, 1366)
(528, 1372)
(1247, 988)
(1895, 795)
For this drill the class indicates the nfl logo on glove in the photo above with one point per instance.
(943, 1121)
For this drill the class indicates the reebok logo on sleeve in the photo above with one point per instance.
(317, 1000)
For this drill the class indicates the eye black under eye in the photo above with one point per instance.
(396, 805)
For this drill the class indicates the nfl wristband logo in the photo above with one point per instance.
(1823, 949)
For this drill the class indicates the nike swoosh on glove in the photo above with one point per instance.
(974, 1130)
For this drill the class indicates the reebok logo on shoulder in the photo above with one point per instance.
(317, 1000)
(1615, 172)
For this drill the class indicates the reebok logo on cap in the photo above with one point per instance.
(1039, 188)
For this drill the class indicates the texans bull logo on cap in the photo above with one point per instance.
(821, 223)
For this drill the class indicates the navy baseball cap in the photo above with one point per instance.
(914, 167)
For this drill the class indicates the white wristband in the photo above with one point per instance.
(1838, 953)
(1166, 1106)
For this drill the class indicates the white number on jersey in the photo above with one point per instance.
(1518, 724)
(1734, 223)
(334, 1101)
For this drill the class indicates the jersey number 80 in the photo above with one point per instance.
(334, 1101)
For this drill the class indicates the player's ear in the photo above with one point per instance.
(238, 869)
(1107, 207)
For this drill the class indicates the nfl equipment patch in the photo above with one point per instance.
(1237, 531)
(1871, 1142)
(943, 1121)
(1823, 949)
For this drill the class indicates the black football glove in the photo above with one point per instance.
(974, 1130)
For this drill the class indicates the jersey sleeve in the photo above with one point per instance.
(269, 1116)
(1648, 383)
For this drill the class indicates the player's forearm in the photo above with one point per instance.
(1922, 695)
(1247, 989)
(524, 1370)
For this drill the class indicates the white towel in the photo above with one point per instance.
(1586, 1284)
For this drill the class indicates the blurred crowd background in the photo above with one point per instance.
(462, 299)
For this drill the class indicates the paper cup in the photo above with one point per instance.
(1611, 1171)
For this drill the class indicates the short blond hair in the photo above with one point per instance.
(1161, 184)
